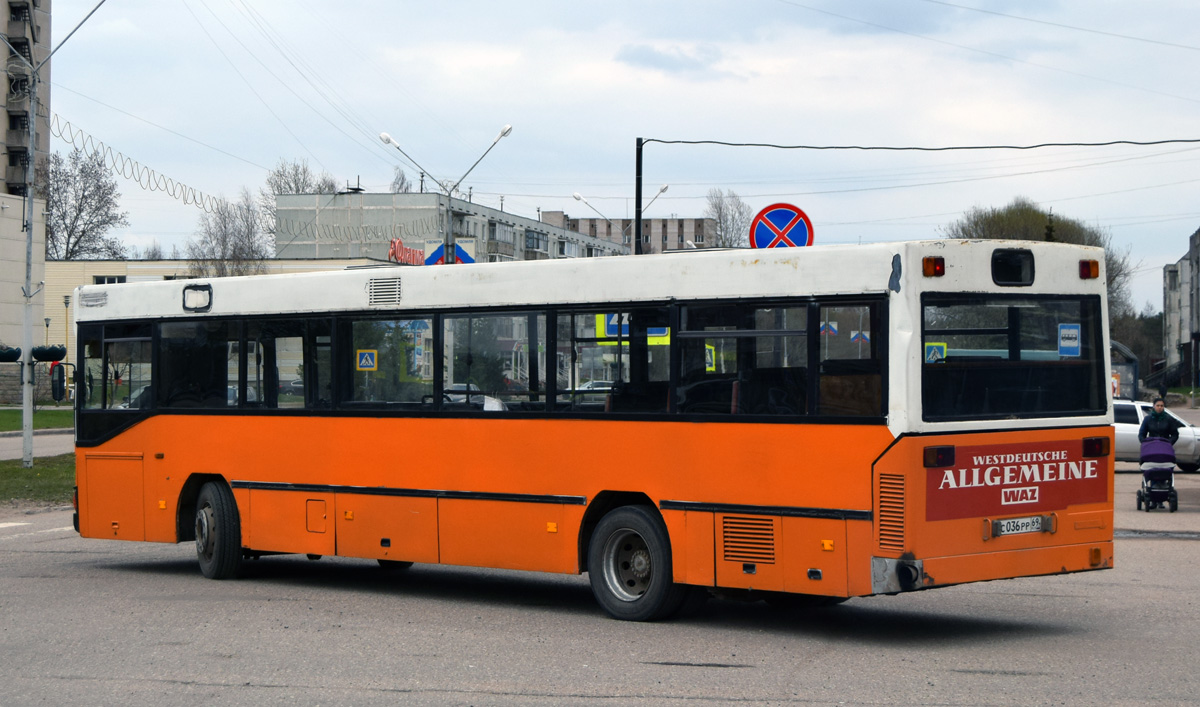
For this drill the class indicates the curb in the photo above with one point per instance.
(53, 431)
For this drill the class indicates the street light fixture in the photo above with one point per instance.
(448, 236)
(659, 193)
(579, 197)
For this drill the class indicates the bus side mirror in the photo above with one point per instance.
(58, 382)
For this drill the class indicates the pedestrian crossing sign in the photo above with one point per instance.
(367, 360)
(935, 352)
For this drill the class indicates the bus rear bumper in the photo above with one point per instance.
(889, 576)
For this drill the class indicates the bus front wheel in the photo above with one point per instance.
(629, 566)
(218, 532)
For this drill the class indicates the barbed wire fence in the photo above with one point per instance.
(119, 164)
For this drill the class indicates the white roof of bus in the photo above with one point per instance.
(685, 275)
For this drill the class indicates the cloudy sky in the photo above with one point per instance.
(212, 93)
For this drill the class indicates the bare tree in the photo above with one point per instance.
(230, 241)
(400, 182)
(153, 251)
(294, 177)
(1023, 220)
(82, 206)
(732, 216)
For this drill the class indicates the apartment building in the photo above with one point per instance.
(363, 225)
(28, 33)
(658, 234)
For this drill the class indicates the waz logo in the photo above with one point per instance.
(1026, 494)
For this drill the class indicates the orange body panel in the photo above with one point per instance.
(519, 536)
(440, 463)
(289, 521)
(113, 497)
(964, 549)
(387, 528)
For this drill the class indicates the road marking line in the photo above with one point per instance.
(37, 532)
(11, 525)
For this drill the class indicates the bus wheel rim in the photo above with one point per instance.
(628, 566)
(204, 539)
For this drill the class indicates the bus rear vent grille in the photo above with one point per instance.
(93, 299)
(749, 539)
(383, 291)
(891, 511)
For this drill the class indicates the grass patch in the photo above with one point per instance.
(51, 480)
(43, 419)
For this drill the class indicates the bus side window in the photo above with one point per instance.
(494, 362)
(744, 360)
(91, 376)
(318, 364)
(275, 364)
(614, 361)
(198, 364)
(851, 372)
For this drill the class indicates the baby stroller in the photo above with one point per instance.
(1158, 476)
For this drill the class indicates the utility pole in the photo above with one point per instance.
(27, 290)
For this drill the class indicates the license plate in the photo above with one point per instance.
(1016, 526)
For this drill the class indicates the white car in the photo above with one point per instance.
(1127, 419)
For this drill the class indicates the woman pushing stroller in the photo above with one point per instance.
(1159, 424)
(1157, 435)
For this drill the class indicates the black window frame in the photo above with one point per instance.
(1093, 343)
(94, 429)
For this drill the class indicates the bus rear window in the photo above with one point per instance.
(995, 357)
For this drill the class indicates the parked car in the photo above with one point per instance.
(594, 391)
(1127, 419)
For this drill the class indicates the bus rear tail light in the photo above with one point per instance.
(933, 266)
(1089, 269)
(1095, 446)
(939, 457)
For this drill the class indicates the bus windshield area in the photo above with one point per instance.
(999, 357)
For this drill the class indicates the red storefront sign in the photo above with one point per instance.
(1014, 479)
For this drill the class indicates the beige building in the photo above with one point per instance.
(12, 269)
(28, 32)
(12, 285)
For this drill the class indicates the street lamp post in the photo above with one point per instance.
(448, 242)
(28, 291)
(580, 197)
(67, 325)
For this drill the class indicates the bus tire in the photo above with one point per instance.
(629, 566)
(218, 532)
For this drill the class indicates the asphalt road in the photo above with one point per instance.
(48, 443)
(103, 622)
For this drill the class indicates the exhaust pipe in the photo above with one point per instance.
(909, 576)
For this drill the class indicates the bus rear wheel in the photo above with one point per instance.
(218, 532)
(629, 566)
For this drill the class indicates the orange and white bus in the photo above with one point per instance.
(811, 423)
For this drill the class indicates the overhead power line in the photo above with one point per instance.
(145, 177)
(950, 148)
(1065, 26)
(985, 52)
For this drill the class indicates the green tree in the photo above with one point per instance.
(1023, 220)
(1142, 333)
